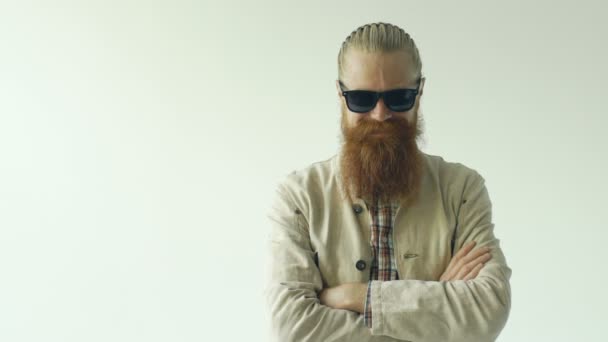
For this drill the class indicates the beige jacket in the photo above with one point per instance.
(317, 238)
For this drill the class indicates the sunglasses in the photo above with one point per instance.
(363, 101)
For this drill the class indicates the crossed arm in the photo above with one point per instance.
(470, 303)
(465, 265)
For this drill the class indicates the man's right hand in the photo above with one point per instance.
(466, 264)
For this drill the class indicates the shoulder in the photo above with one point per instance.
(450, 173)
(459, 184)
(306, 185)
(314, 174)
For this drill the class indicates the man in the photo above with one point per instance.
(383, 242)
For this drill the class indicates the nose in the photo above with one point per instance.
(380, 112)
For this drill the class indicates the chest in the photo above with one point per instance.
(421, 241)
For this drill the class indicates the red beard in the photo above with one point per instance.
(381, 160)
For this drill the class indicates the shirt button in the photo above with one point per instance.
(360, 265)
(384, 239)
(357, 208)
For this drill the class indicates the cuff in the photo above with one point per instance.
(375, 296)
(367, 313)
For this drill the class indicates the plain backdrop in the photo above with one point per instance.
(141, 141)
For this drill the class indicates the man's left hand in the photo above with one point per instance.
(349, 296)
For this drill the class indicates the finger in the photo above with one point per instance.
(475, 254)
(474, 272)
(452, 269)
(462, 257)
(449, 271)
(464, 250)
(457, 264)
(462, 271)
(322, 295)
(446, 274)
(453, 266)
(469, 266)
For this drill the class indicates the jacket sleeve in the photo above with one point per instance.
(472, 310)
(294, 281)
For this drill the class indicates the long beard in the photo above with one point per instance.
(381, 160)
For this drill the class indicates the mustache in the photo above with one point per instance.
(366, 127)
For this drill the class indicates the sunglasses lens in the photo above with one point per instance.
(400, 100)
(361, 101)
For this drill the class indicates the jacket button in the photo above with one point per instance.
(360, 265)
(357, 208)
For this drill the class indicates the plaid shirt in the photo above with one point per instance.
(383, 261)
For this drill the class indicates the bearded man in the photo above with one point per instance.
(383, 242)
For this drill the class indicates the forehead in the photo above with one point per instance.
(377, 70)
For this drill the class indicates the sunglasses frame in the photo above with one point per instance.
(377, 95)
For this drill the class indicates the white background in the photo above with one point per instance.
(140, 143)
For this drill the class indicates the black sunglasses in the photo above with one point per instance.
(363, 101)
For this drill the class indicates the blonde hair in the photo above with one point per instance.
(380, 37)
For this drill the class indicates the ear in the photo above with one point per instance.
(338, 90)
(421, 91)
